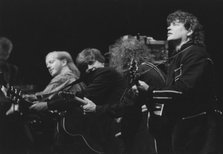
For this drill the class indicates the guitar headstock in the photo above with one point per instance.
(71, 96)
(17, 98)
(14, 94)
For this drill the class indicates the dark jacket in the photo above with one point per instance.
(189, 123)
(190, 73)
(104, 86)
(59, 83)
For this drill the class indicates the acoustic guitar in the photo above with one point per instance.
(73, 121)
(76, 123)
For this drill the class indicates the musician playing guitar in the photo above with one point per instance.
(104, 88)
(92, 124)
(134, 59)
(64, 72)
(12, 138)
(194, 119)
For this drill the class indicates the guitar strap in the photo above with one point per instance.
(71, 84)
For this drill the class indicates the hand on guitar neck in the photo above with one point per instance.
(140, 86)
(86, 104)
(14, 95)
(36, 104)
(21, 101)
(30, 97)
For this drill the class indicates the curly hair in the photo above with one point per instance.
(127, 48)
(190, 22)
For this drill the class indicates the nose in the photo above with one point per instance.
(48, 66)
(169, 27)
(90, 66)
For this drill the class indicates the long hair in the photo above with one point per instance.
(127, 48)
(190, 22)
(64, 55)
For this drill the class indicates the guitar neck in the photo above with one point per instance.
(72, 96)
(79, 100)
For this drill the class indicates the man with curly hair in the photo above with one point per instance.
(134, 59)
(189, 108)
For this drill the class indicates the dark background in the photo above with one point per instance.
(37, 27)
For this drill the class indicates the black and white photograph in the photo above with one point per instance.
(111, 77)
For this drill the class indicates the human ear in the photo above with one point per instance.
(64, 62)
(190, 32)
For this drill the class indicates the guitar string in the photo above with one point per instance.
(155, 67)
(98, 152)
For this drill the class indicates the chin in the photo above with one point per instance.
(170, 38)
(173, 39)
(52, 74)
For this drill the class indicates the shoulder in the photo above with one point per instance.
(195, 52)
(65, 77)
(108, 73)
(69, 75)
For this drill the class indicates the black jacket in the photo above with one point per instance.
(190, 78)
(105, 86)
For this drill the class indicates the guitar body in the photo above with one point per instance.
(72, 123)
(81, 128)
(154, 77)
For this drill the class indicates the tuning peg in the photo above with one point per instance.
(17, 101)
(14, 99)
(16, 107)
(16, 91)
(20, 93)
(12, 90)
